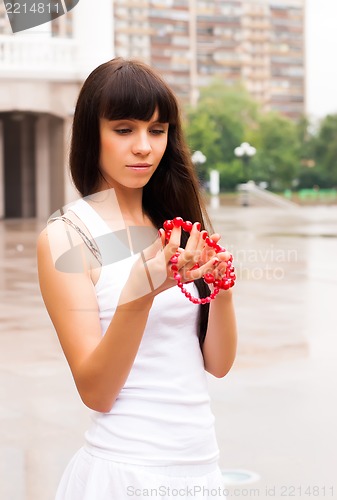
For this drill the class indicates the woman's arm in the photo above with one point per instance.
(100, 365)
(219, 348)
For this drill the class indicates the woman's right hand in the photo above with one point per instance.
(152, 274)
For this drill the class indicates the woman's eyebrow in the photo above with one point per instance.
(156, 120)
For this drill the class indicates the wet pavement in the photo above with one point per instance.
(275, 411)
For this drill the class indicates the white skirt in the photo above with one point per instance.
(88, 477)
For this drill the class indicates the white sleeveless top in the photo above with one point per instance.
(162, 415)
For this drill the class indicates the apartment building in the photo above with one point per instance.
(259, 42)
(157, 31)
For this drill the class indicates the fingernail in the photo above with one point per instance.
(198, 226)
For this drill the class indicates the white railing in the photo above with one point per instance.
(251, 189)
(37, 55)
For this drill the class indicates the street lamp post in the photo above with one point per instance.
(245, 151)
(198, 158)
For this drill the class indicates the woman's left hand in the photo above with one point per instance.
(198, 258)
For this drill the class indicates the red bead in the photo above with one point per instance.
(188, 295)
(177, 222)
(173, 259)
(177, 276)
(187, 226)
(168, 225)
(174, 267)
(225, 284)
(208, 278)
(180, 285)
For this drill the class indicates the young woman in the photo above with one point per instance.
(137, 348)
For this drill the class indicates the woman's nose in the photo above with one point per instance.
(142, 144)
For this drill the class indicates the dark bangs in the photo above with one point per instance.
(134, 91)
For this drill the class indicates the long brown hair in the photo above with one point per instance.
(121, 89)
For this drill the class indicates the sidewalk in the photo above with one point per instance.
(276, 410)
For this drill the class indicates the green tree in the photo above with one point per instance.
(325, 151)
(308, 176)
(277, 160)
(219, 122)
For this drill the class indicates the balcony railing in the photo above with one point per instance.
(36, 57)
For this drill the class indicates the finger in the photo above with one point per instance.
(220, 270)
(215, 237)
(201, 245)
(173, 244)
(207, 254)
(161, 234)
(209, 267)
(191, 253)
(194, 237)
(224, 256)
(210, 249)
(155, 258)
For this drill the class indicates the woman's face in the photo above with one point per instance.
(131, 150)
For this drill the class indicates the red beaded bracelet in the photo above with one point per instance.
(224, 284)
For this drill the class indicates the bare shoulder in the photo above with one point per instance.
(68, 291)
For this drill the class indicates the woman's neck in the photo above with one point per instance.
(121, 203)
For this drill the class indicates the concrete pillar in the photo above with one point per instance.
(93, 32)
(56, 157)
(2, 173)
(28, 183)
(70, 192)
(13, 165)
(42, 168)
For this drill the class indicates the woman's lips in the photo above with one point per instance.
(139, 166)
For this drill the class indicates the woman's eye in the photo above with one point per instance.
(157, 131)
(123, 131)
